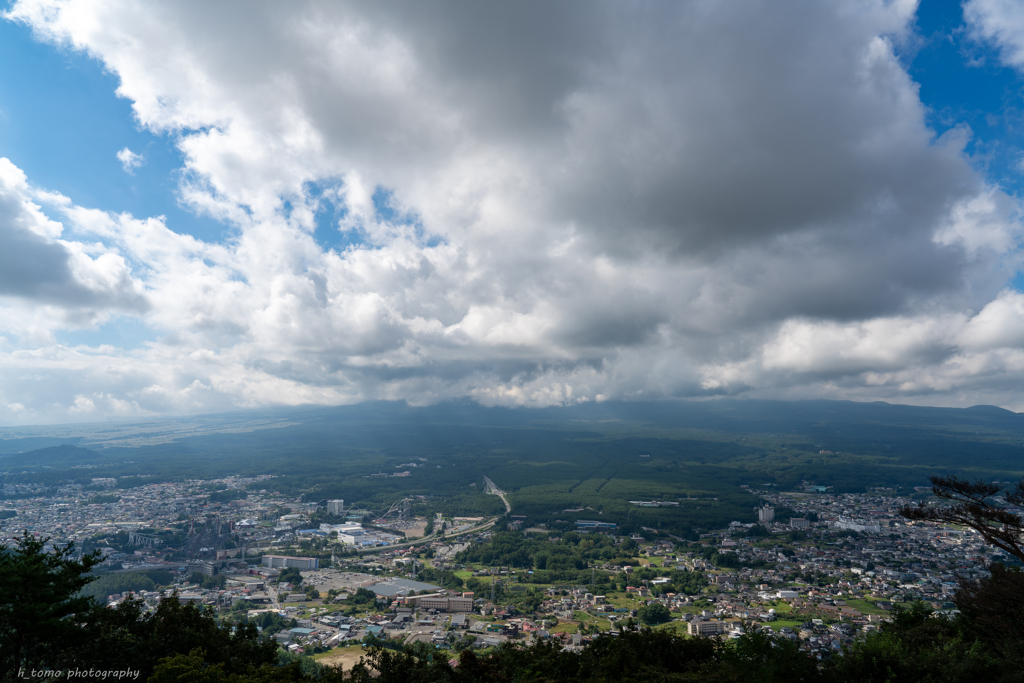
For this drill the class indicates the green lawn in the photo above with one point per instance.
(781, 608)
(780, 623)
(865, 606)
(622, 601)
(587, 618)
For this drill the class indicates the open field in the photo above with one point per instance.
(345, 657)
(866, 606)
(779, 624)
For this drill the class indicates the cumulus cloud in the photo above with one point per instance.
(543, 204)
(130, 160)
(1000, 22)
(36, 265)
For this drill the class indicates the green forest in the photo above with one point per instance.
(581, 462)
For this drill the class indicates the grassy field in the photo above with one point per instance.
(623, 601)
(865, 606)
(592, 620)
(779, 624)
(678, 627)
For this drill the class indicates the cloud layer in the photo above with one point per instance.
(542, 204)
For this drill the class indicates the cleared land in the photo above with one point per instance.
(345, 657)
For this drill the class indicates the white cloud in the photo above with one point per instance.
(130, 160)
(693, 199)
(38, 266)
(1002, 23)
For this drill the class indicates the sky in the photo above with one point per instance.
(211, 207)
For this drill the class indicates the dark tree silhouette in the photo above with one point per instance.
(992, 606)
(40, 603)
(973, 507)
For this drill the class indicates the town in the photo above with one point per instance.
(828, 573)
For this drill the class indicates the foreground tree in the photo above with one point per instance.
(46, 622)
(40, 607)
(130, 633)
(989, 629)
(195, 667)
(655, 613)
(992, 608)
(634, 656)
(918, 647)
(974, 506)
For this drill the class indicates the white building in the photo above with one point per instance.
(850, 525)
(350, 532)
(335, 507)
(445, 603)
(712, 627)
(284, 562)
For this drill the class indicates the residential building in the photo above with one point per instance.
(711, 627)
(765, 514)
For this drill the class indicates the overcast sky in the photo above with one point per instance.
(211, 206)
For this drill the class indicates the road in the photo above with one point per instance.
(433, 537)
(272, 592)
(419, 541)
(492, 488)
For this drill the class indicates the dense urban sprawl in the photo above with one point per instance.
(833, 569)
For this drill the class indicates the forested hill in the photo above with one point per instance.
(579, 453)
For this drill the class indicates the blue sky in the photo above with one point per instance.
(63, 124)
(578, 206)
(963, 82)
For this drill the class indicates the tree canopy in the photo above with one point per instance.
(974, 506)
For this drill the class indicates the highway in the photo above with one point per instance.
(491, 488)
(487, 524)
(433, 537)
